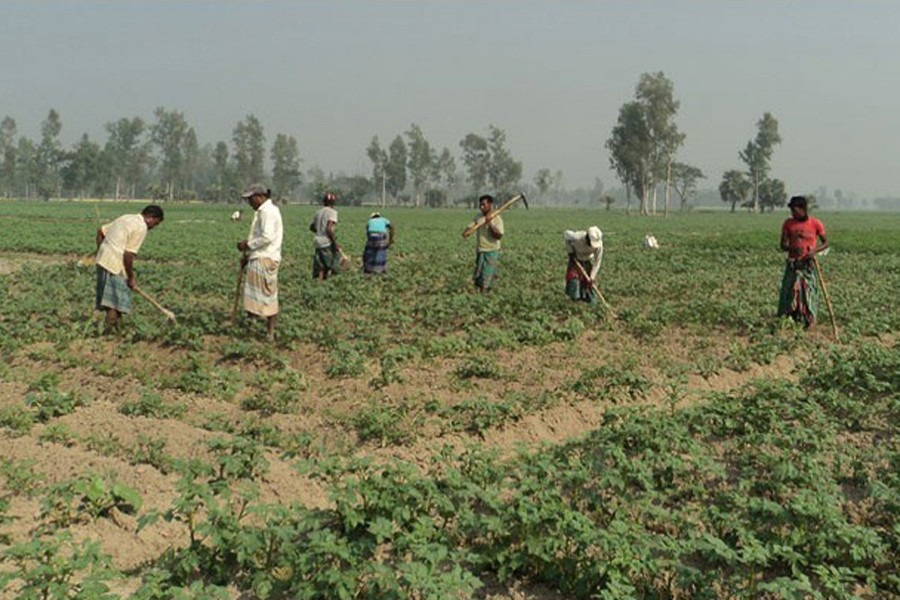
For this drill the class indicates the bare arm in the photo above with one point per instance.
(329, 231)
(490, 225)
(822, 246)
(128, 260)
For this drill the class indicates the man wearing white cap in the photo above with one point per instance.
(586, 247)
(262, 255)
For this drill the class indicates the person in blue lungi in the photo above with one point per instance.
(379, 237)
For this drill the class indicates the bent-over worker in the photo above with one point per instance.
(117, 244)
(585, 247)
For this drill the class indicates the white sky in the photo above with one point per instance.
(551, 74)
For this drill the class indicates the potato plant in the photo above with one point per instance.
(717, 452)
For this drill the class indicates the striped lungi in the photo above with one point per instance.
(112, 291)
(376, 253)
(261, 287)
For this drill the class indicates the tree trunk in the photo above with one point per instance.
(668, 183)
(756, 192)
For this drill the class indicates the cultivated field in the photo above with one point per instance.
(408, 438)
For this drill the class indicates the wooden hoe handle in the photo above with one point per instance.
(169, 314)
(481, 220)
(593, 286)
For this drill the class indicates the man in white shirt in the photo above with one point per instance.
(117, 244)
(585, 248)
(262, 256)
(327, 258)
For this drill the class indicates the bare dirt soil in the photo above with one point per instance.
(326, 405)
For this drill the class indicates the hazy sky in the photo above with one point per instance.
(551, 74)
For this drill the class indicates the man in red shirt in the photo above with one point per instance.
(800, 236)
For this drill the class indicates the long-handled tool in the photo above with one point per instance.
(834, 328)
(169, 314)
(88, 260)
(482, 220)
(594, 286)
(237, 290)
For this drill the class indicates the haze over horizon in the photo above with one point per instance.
(552, 75)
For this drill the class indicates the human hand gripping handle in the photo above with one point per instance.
(594, 287)
(481, 221)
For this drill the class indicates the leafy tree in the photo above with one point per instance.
(286, 176)
(190, 171)
(488, 160)
(7, 156)
(128, 153)
(82, 172)
(758, 153)
(656, 93)
(379, 158)
(351, 189)
(772, 194)
(629, 152)
(644, 140)
(476, 158)
(168, 133)
(225, 185)
(445, 169)
(734, 188)
(249, 150)
(395, 169)
(684, 181)
(49, 156)
(318, 182)
(504, 171)
(543, 179)
(420, 161)
(26, 166)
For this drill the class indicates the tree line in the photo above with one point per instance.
(162, 159)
